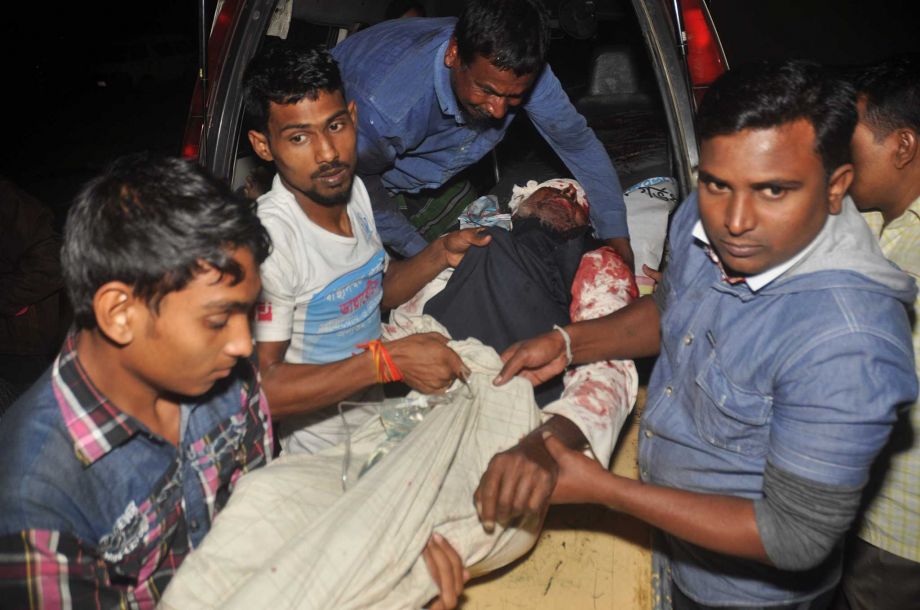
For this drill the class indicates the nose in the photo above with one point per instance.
(497, 107)
(239, 344)
(740, 216)
(326, 150)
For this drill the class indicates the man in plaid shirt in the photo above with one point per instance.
(883, 563)
(116, 461)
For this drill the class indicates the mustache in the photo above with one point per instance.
(327, 169)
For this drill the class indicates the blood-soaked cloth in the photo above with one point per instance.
(598, 396)
(515, 288)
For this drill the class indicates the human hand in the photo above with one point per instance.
(456, 243)
(517, 482)
(652, 274)
(427, 364)
(447, 572)
(622, 247)
(536, 360)
(578, 475)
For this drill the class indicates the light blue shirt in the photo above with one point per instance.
(412, 134)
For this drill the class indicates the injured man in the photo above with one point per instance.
(346, 527)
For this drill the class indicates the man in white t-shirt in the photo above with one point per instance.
(328, 275)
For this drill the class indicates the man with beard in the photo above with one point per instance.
(436, 95)
(317, 324)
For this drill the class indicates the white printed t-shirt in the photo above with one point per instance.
(322, 292)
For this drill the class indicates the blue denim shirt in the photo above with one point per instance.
(412, 134)
(805, 373)
(96, 509)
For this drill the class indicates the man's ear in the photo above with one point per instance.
(115, 306)
(907, 144)
(837, 187)
(451, 58)
(259, 143)
(353, 112)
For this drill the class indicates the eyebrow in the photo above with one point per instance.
(707, 177)
(488, 89)
(783, 184)
(331, 119)
(225, 305)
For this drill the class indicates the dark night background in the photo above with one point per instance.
(64, 127)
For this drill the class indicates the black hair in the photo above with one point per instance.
(768, 94)
(891, 90)
(154, 223)
(511, 34)
(285, 74)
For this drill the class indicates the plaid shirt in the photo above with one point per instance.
(892, 521)
(97, 511)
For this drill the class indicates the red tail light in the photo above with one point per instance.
(704, 57)
(194, 124)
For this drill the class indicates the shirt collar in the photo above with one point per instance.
(754, 282)
(442, 87)
(912, 214)
(95, 424)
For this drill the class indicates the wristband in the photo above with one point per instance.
(386, 369)
(568, 344)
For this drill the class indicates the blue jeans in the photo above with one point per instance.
(682, 602)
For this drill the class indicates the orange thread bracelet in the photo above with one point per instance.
(386, 369)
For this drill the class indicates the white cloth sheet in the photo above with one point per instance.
(290, 538)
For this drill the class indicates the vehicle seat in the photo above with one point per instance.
(623, 107)
(616, 83)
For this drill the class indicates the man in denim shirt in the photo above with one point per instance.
(436, 95)
(116, 461)
(784, 351)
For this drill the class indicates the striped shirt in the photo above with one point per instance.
(892, 521)
(99, 512)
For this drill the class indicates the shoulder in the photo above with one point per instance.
(389, 69)
(279, 215)
(856, 319)
(39, 472)
(392, 39)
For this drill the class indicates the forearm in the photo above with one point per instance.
(563, 429)
(301, 388)
(403, 279)
(719, 523)
(628, 333)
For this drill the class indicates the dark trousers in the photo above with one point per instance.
(874, 579)
(682, 602)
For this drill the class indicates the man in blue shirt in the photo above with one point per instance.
(436, 95)
(784, 351)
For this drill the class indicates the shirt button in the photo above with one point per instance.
(648, 433)
(668, 391)
(688, 339)
(644, 473)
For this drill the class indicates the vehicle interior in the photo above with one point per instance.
(618, 61)
(597, 52)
